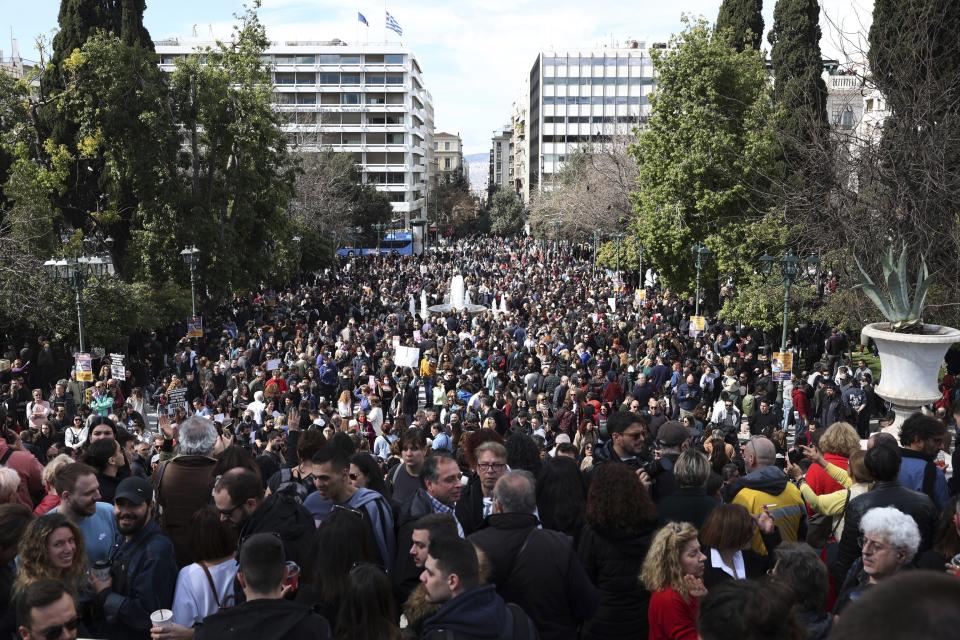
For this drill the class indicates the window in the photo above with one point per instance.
(373, 78)
(306, 98)
(386, 177)
(306, 78)
(351, 138)
(395, 138)
(306, 59)
(393, 78)
(329, 78)
(285, 59)
(446, 146)
(350, 118)
(397, 196)
(284, 98)
(374, 58)
(350, 78)
(329, 58)
(393, 58)
(446, 163)
(284, 78)
(350, 98)
(350, 59)
(375, 98)
(394, 98)
(846, 120)
(329, 98)
(436, 146)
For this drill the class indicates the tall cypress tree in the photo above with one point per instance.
(915, 64)
(743, 20)
(798, 84)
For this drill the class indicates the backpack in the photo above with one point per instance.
(293, 486)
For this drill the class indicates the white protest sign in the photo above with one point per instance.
(407, 357)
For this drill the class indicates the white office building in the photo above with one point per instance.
(583, 97)
(368, 100)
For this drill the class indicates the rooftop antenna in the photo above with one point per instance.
(194, 31)
(210, 31)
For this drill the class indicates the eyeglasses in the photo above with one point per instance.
(873, 544)
(491, 466)
(52, 633)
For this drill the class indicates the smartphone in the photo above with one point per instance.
(795, 456)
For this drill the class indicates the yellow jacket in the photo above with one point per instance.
(787, 507)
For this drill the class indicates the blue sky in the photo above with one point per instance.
(474, 53)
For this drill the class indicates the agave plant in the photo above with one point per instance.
(896, 307)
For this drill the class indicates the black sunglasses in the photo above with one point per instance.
(52, 633)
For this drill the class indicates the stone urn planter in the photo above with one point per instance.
(910, 366)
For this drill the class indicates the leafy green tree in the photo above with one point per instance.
(915, 65)
(759, 303)
(237, 174)
(453, 205)
(705, 160)
(742, 21)
(506, 213)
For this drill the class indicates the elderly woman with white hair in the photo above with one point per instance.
(889, 539)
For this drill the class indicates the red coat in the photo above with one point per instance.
(671, 617)
(820, 481)
(801, 403)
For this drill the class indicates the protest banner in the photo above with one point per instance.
(407, 357)
(782, 366)
(698, 324)
(273, 364)
(176, 399)
(195, 327)
(118, 369)
(83, 367)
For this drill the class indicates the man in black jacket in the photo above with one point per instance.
(469, 610)
(537, 569)
(265, 615)
(238, 496)
(883, 463)
(144, 567)
(439, 494)
(476, 500)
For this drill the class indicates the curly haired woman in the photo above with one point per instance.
(673, 573)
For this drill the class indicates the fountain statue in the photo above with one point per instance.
(458, 299)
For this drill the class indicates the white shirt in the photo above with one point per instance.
(737, 571)
(193, 599)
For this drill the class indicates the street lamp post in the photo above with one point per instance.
(76, 271)
(643, 280)
(596, 246)
(191, 257)
(701, 253)
(790, 266)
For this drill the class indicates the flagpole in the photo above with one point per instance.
(384, 21)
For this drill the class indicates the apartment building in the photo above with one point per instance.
(583, 98)
(368, 100)
(448, 148)
(521, 106)
(501, 161)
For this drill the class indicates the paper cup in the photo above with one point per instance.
(162, 618)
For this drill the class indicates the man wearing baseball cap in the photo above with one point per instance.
(144, 567)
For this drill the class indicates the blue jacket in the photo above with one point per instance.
(148, 566)
(918, 472)
(477, 614)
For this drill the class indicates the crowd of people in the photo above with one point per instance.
(568, 459)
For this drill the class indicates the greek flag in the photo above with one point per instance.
(393, 25)
(362, 18)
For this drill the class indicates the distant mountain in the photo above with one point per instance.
(479, 167)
